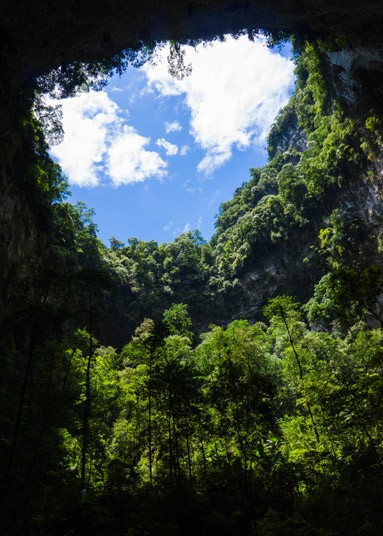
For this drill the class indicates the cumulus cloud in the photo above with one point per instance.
(172, 127)
(129, 161)
(87, 119)
(170, 148)
(97, 141)
(234, 92)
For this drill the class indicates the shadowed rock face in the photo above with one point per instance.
(38, 36)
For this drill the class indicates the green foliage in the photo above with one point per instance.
(350, 290)
(254, 415)
(176, 320)
(152, 277)
(176, 61)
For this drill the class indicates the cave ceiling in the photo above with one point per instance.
(38, 36)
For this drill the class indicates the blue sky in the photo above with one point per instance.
(155, 156)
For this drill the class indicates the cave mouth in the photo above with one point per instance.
(155, 155)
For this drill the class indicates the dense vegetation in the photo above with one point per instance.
(209, 423)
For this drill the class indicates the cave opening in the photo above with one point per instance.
(155, 155)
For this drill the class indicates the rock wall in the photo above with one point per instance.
(293, 267)
(348, 68)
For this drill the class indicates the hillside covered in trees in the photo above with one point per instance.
(224, 387)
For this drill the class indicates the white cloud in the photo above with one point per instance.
(115, 89)
(172, 127)
(184, 150)
(97, 141)
(86, 121)
(170, 148)
(234, 92)
(129, 161)
(214, 159)
(193, 189)
(186, 228)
